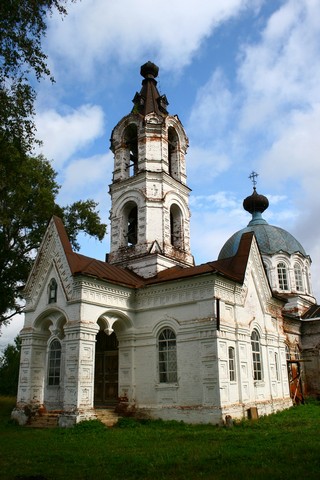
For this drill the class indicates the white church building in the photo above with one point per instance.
(148, 332)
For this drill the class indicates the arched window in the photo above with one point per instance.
(173, 152)
(130, 218)
(176, 226)
(256, 355)
(167, 350)
(53, 287)
(232, 365)
(282, 276)
(131, 142)
(54, 363)
(297, 353)
(298, 277)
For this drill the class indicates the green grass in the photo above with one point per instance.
(282, 446)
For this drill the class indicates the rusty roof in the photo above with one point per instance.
(312, 313)
(232, 268)
(83, 265)
(149, 100)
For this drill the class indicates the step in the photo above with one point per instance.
(107, 416)
(46, 420)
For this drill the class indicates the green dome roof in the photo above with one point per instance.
(270, 239)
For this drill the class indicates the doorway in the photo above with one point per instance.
(106, 369)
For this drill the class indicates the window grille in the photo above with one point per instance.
(298, 277)
(167, 349)
(54, 363)
(282, 276)
(256, 355)
(232, 365)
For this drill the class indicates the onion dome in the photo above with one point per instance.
(270, 239)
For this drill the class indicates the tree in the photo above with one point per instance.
(28, 187)
(22, 27)
(9, 368)
(28, 191)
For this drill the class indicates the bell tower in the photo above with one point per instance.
(150, 216)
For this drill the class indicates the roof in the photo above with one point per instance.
(270, 239)
(312, 313)
(232, 268)
(149, 100)
(83, 265)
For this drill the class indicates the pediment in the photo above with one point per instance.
(155, 248)
(51, 257)
(256, 277)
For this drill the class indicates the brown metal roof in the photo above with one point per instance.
(232, 268)
(149, 99)
(82, 265)
(313, 312)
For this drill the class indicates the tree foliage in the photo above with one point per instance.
(28, 191)
(9, 368)
(22, 27)
(28, 187)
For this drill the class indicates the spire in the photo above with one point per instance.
(255, 204)
(149, 100)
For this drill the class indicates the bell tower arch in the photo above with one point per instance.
(150, 216)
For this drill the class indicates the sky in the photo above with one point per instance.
(243, 77)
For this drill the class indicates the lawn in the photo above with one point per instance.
(282, 446)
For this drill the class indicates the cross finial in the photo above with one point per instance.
(253, 176)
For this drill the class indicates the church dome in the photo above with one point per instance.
(270, 239)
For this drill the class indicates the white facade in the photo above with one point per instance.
(187, 343)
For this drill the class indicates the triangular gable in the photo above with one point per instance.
(155, 248)
(255, 270)
(53, 252)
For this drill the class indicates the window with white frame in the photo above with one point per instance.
(167, 351)
(298, 277)
(282, 276)
(256, 355)
(54, 363)
(232, 364)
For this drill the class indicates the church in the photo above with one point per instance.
(149, 333)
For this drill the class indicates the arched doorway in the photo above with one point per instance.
(106, 369)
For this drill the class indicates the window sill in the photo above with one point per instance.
(167, 386)
(259, 383)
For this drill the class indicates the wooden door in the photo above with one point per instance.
(106, 370)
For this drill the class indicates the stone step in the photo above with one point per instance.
(107, 416)
(46, 420)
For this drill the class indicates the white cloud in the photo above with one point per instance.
(212, 108)
(87, 177)
(97, 31)
(204, 164)
(297, 150)
(64, 134)
(279, 74)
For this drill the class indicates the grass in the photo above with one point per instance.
(282, 446)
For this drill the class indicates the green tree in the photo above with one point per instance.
(28, 191)
(28, 187)
(9, 368)
(22, 28)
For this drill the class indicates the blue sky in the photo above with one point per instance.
(243, 77)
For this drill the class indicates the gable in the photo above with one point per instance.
(257, 293)
(52, 260)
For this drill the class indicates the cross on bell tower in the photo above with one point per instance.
(150, 216)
